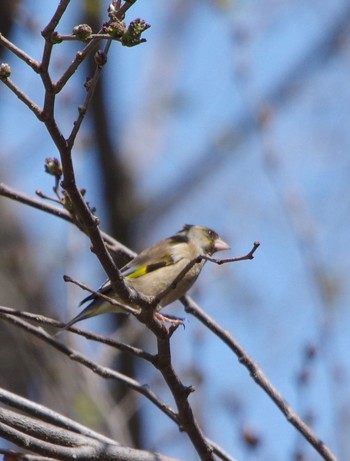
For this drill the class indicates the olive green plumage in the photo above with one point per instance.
(153, 271)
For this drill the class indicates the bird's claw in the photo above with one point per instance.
(174, 321)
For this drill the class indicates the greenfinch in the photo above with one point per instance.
(154, 270)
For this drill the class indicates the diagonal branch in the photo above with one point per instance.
(57, 16)
(43, 320)
(73, 67)
(91, 88)
(23, 97)
(35, 65)
(259, 377)
(33, 202)
(102, 371)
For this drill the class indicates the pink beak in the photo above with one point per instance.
(220, 245)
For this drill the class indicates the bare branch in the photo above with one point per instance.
(46, 439)
(259, 377)
(79, 58)
(35, 65)
(114, 302)
(91, 37)
(181, 393)
(248, 256)
(91, 88)
(198, 260)
(136, 352)
(45, 61)
(46, 414)
(124, 8)
(11, 455)
(61, 8)
(13, 194)
(7, 191)
(23, 97)
(104, 372)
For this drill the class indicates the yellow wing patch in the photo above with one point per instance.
(142, 270)
(147, 268)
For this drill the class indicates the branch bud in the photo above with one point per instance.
(55, 38)
(53, 167)
(100, 58)
(5, 70)
(115, 28)
(82, 32)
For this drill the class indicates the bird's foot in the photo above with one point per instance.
(175, 321)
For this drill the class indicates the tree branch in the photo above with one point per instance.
(162, 362)
(248, 256)
(104, 372)
(136, 352)
(79, 58)
(47, 439)
(114, 302)
(259, 377)
(23, 97)
(91, 88)
(13, 194)
(35, 65)
(11, 455)
(45, 414)
(181, 393)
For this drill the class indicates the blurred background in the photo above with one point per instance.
(234, 115)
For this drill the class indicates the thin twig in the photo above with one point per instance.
(114, 302)
(99, 36)
(248, 256)
(35, 65)
(23, 97)
(61, 8)
(14, 194)
(198, 260)
(43, 320)
(91, 88)
(47, 34)
(94, 41)
(9, 192)
(124, 8)
(41, 194)
(79, 58)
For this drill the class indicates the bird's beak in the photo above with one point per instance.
(220, 245)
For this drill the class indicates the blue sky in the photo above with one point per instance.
(186, 106)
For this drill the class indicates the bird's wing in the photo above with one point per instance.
(149, 260)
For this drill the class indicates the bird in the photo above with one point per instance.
(153, 271)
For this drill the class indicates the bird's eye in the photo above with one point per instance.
(210, 233)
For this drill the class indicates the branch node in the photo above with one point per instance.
(187, 390)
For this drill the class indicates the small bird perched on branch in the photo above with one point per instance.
(160, 270)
